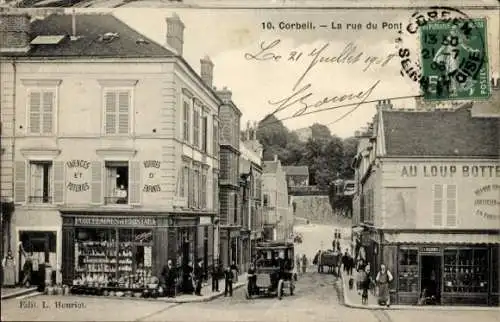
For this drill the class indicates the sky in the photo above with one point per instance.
(230, 36)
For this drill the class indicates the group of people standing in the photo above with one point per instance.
(191, 279)
(381, 283)
(301, 262)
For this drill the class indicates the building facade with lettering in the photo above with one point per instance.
(113, 142)
(231, 220)
(427, 203)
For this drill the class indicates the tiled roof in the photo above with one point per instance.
(296, 170)
(89, 29)
(440, 133)
(269, 166)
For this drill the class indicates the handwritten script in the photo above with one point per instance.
(302, 96)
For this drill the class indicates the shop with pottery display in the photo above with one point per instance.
(111, 255)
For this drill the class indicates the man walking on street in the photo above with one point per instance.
(236, 271)
(198, 276)
(228, 279)
(215, 277)
(170, 276)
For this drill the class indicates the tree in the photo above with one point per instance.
(320, 132)
(350, 149)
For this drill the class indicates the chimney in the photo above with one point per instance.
(255, 127)
(384, 105)
(225, 95)
(14, 33)
(73, 24)
(207, 71)
(175, 33)
(275, 158)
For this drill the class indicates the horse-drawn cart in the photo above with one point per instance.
(273, 270)
(330, 259)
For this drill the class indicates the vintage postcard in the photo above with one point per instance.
(250, 160)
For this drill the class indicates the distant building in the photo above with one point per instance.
(304, 134)
(231, 221)
(426, 202)
(278, 217)
(297, 176)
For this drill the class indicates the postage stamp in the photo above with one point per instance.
(455, 59)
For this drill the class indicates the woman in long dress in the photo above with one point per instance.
(384, 277)
(9, 270)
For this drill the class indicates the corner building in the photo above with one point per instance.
(112, 138)
(427, 202)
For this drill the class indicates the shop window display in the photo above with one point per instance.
(466, 270)
(408, 270)
(113, 260)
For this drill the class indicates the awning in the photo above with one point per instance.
(441, 238)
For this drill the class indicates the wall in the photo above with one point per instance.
(316, 209)
(408, 200)
(7, 122)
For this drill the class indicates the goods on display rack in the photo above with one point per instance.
(115, 262)
(408, 270)
(466, 271)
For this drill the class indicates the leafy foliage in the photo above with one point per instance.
(327, 156)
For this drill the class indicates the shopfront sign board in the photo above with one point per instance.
(115, 221)
(430, 250)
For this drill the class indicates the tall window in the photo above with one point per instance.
(41, 111)
(215, 148)
(117, 183)
(196, 188)
(196, 127)
(204, 134)
(184, 181)
(235, 210)
(204, 190)
(40, 182)
(445, 205)
(215, 192)
(117, 111)
(185, 122)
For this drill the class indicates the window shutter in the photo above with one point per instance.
(20, 182)
(134, 183)
(110, 118)
(179, 186)
(190, 188)
(48, 111)
(35, 107)
(123, 112)
(58, 170)
(451, 205)
(438, 205)
(96, 185)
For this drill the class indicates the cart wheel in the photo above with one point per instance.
(280, 289)
(292, 287)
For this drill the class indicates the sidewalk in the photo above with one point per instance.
(12, 292)
(353, 299)
(206, 293)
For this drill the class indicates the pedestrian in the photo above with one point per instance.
(169, 277)
(304, 263)
(252, 280)
(215, 278)
(384, 277)
(350, 264)
(198, 278)
(236, 271)
(366, 281)
(187, 279)
(298, 261)
(228, 279)
(9, 270)
(345, 264)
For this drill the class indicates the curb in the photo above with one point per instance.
(194, 299)
(19, 293)
(346, 302)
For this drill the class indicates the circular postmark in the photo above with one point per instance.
(450, 60)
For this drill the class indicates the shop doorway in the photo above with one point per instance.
(38, 249)
(430, 278)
